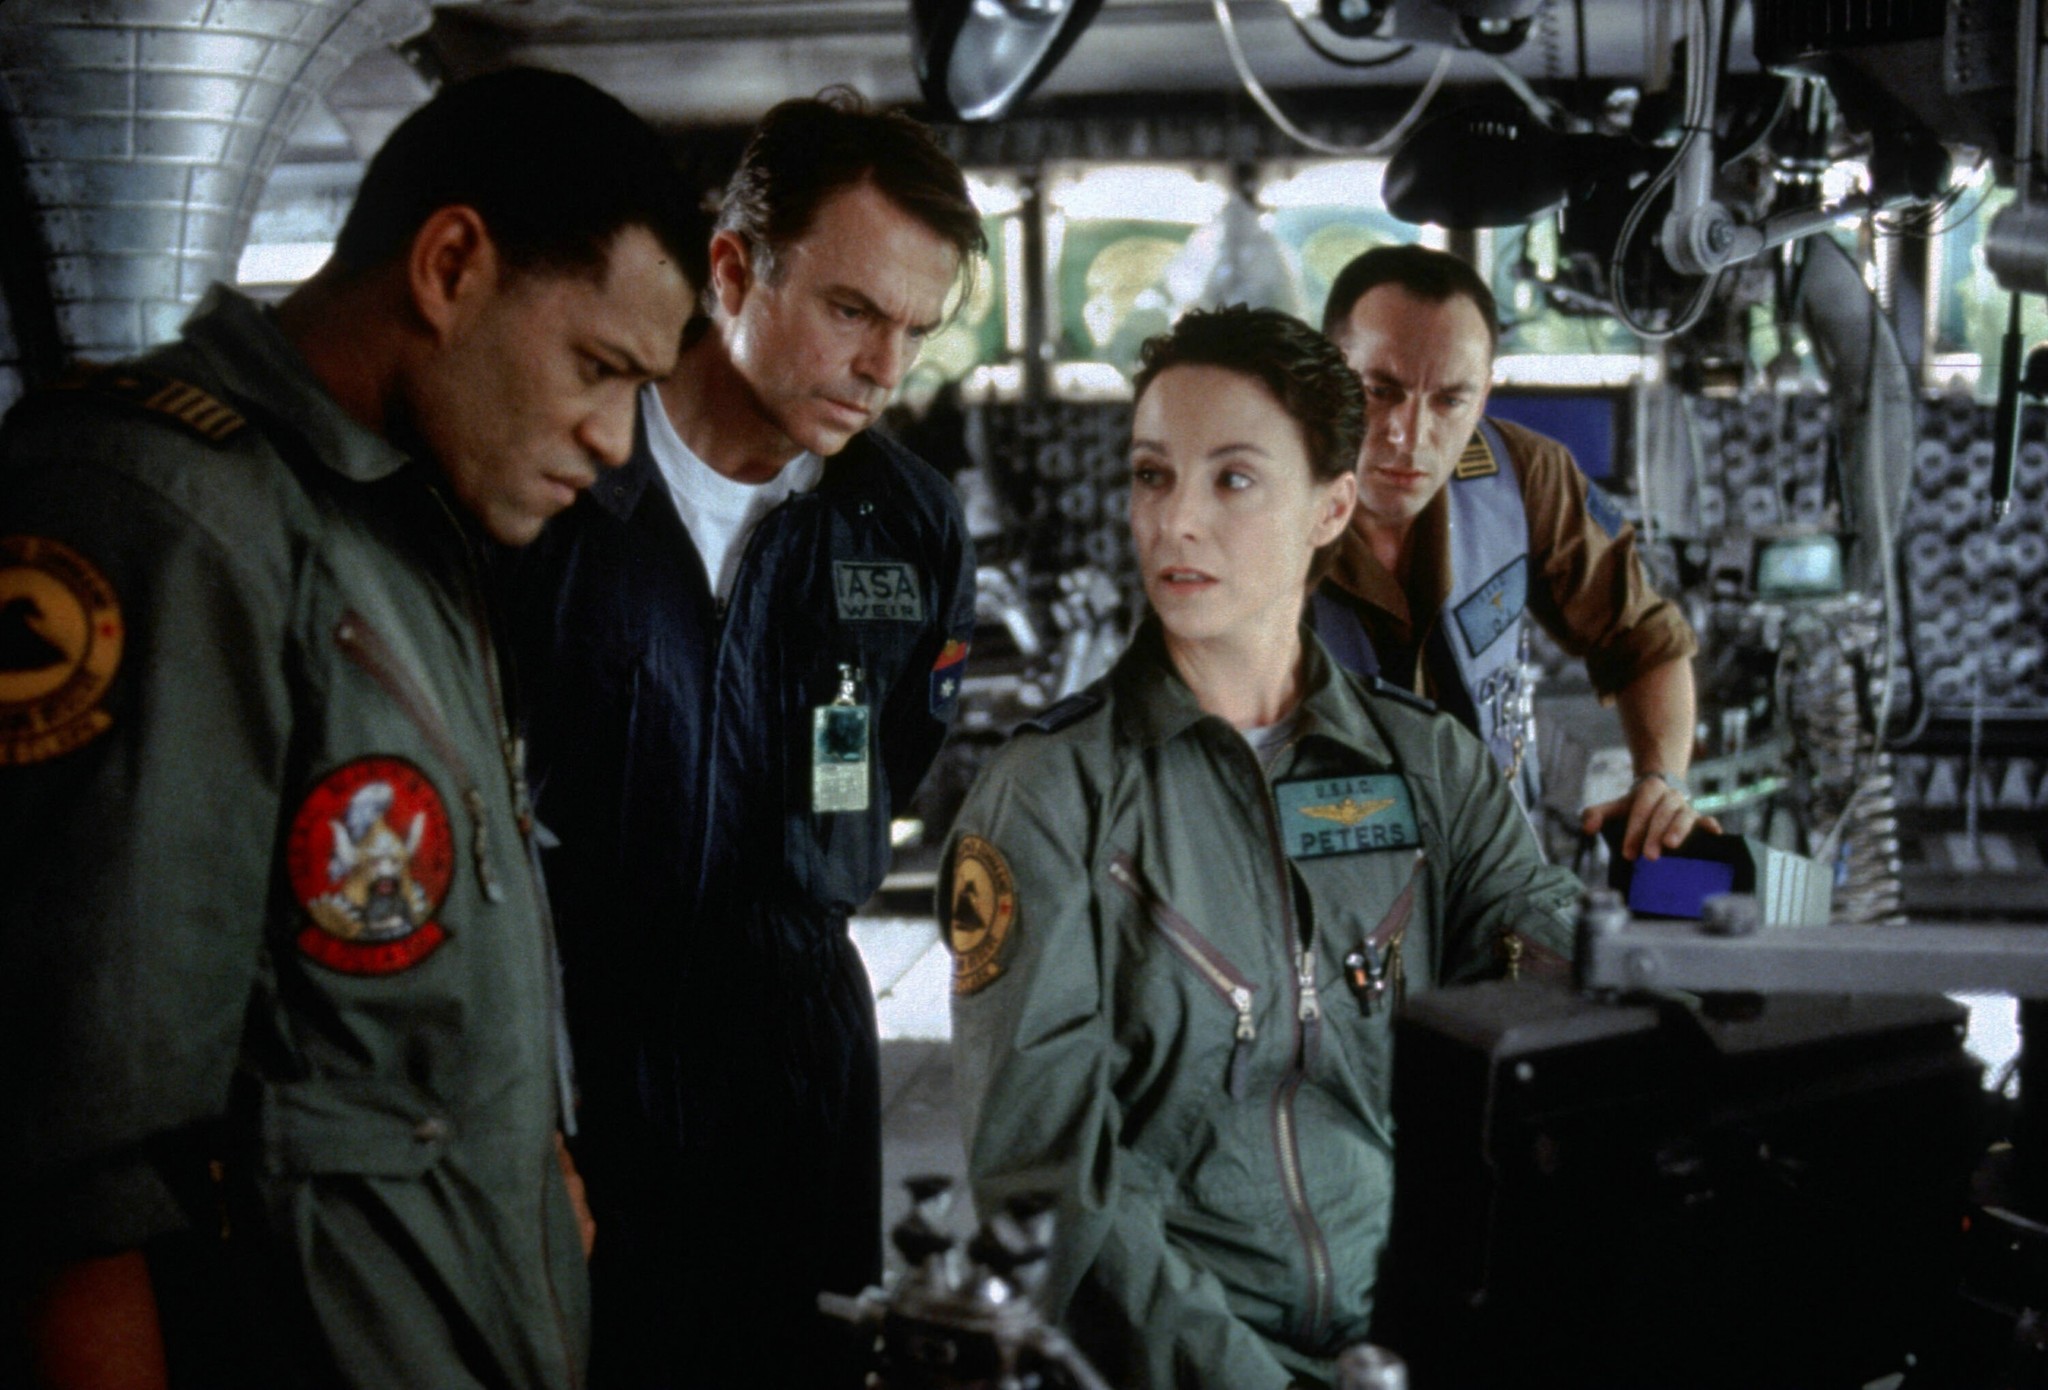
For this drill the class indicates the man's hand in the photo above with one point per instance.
(94, 1326)
(1659, 816)
(586, 1225)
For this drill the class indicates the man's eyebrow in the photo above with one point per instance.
(621, 356)
(868, 306)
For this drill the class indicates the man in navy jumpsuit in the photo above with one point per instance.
(745, 649)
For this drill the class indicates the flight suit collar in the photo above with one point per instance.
(242, 341)
(1155, 706)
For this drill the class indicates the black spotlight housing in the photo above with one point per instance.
(976, 59)
(1479, 166)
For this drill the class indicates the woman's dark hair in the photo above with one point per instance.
(1300, 369)
(806, 150)
(555, 167)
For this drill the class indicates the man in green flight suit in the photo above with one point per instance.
(285, 1083)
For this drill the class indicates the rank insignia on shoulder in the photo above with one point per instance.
(196, 410)
(1477, 461)
(1325, 816)
(60, 644)
(946, 674)
(370, 857)
(1060, 713)
(1380, 685)
(981, 909)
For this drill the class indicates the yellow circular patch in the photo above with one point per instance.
(983, 908)
(60, 644)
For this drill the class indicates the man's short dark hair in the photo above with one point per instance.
(1299, 367)
(806, 150)
(555, 167)
(1430, 275)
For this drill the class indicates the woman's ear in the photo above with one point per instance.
(1333, 509)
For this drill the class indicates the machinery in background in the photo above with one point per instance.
(950, 1323)
(1649, 1192)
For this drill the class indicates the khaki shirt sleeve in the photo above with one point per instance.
(135, 866)
(1589, 590)
(1036, 1064)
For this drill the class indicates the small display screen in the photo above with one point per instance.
(1675, 886)
(1799, 567)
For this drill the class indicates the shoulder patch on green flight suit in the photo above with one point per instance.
(60, 644)
(982, 907)
(1325, 816)
(191, 407)
(370, 857)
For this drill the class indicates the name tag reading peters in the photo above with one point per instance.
(1324, 816)
(884, 589)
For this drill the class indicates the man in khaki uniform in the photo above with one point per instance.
(286, 1085)
(1467, 527)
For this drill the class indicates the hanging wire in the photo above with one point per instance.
(1545, 111)
(1370, 150)
(1699, 92)
(1308, 36)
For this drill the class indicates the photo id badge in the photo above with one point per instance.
(839, 751)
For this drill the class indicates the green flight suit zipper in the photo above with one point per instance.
(1375, 971)
(366, 647)
(1308, 1015)
(513, 752)
(1229, 983)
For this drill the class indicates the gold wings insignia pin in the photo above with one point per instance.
(1350, 811)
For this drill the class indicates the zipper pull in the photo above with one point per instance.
(522, 794)
(1241, 1048)
(1241, 1000)
(479, 845)
(1311, 1007)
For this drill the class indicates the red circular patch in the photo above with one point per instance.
(370, 857)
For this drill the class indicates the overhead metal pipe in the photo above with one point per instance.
(143, 133)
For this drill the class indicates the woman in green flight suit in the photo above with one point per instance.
(1184, 904)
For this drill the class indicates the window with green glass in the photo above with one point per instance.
(984, 332)
(1970, 307)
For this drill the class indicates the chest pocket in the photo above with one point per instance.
(1210, 969)
(862, 615)
(1375, 960)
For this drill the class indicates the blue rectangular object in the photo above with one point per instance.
(1582, 421)
(1675, 886)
